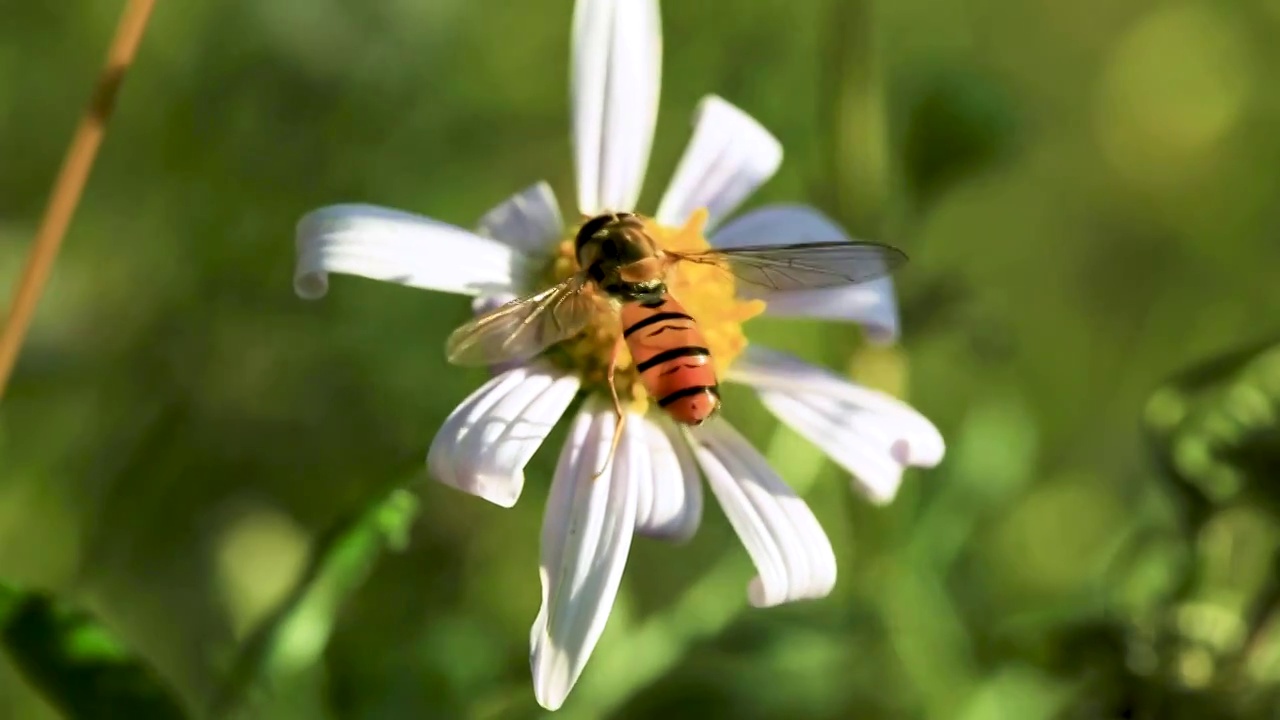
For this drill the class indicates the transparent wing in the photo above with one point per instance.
(803, 265)
(523, 327)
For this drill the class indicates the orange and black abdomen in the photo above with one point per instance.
(672, 358)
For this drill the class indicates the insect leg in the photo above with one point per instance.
(620, 417)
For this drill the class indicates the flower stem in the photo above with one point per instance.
(70, 182)
(291, 640)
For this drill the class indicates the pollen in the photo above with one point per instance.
(707, 292)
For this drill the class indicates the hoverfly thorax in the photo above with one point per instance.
(617, 254)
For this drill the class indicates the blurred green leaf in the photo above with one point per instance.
(1214, 430)
(1216, 427)
(290, 641)
(1017, 693)
(76, 663)
(956, 122)
(1261, 663)
(856, 179)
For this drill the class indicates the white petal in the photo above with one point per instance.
(586, 536)
(668, 489)
(869, 433)
(873, 304)
(484, 444)
(385, 244)
(788, 546)
(490, 301)
(729, 156)
(616, 76)
(528, 221)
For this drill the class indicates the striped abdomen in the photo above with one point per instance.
(672, 359)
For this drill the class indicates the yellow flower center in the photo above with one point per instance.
(707, 292)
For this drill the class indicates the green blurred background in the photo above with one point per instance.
(224, 475)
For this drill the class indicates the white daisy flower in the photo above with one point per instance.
(652, 485)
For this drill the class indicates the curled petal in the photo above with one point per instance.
(788, 546)
(869, 433)
(528, 221)
(616, 76)
(729, 156)
(668, 489)
(586, 537)
(873, 304)
(400, 247)
(485, 443)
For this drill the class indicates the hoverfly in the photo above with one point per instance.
(623, 266)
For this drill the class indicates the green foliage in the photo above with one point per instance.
(1216, 432)
(291, 639)
(79, 665)
(955, 123)
(1215, 427)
